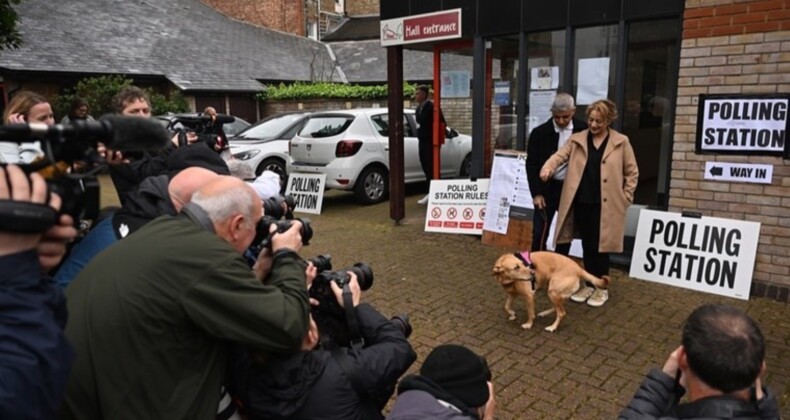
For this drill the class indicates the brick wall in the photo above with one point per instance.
(362, 7)
(737, 47)
(281, 15)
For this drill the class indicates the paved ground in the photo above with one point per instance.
(588, 369)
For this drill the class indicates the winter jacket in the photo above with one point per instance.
(420, 398)
(657, 398)
(619, 176)
(542, 144)
(312, 385)
(35, 358)
(153, 316)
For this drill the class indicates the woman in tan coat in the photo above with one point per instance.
(599, 187)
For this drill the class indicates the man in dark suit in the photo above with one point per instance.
(544, 140)
(424, 117)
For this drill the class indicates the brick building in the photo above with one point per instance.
(660, 61)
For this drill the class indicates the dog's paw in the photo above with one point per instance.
(551, 328)
(526, 325)
(512, 316)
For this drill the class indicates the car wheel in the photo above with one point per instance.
(271, 164)
(466, 166)
(372, 185)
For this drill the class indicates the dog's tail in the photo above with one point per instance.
(602, 282)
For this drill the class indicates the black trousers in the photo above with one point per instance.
(587, 221)
(426, 160)
(541, 219)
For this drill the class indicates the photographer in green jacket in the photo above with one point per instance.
(152, 317)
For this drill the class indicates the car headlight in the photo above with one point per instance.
(249, 154)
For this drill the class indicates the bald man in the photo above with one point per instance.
(152, 316)
(156, 196)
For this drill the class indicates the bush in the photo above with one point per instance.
(99, 91)
(325, 90)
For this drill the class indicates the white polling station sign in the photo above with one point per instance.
(707, 254)
(307, 190)
(457, 206)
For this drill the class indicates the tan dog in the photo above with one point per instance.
(522, 274)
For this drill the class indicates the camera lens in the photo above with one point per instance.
(364, 275)
(322, 262)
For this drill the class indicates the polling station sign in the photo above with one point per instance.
(457, 206)
(707, 254)
(307, 191)
(743, 124)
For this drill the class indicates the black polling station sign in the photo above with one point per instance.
(743, 125)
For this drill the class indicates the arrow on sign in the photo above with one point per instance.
(716, 170)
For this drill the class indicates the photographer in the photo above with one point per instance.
(153, 316)
(35, 357)
(323, 381)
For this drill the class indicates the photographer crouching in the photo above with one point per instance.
(328, 378)
(35, 357)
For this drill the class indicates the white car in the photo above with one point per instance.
(264, 145)
(352, 148)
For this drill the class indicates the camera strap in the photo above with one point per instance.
(351, 319)
(369, 409)
(199, 216)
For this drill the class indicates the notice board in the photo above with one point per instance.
(508, 214)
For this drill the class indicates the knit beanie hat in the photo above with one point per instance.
(460, 372)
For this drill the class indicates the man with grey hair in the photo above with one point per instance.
(152, 317)
(544, 140)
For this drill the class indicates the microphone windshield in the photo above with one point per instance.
(135, 133)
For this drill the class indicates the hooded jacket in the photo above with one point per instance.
(311, 384)
(420, 398)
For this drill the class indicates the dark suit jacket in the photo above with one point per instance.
(424, 117)
(541, 145)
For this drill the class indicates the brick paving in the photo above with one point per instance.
(588, 369)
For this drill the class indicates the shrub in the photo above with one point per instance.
(325, 90)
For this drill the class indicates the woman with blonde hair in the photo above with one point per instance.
(24, 108)
(599, 186)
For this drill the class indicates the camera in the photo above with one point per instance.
(207, 129)
(273, 206)
(322, 291)
(263, 238)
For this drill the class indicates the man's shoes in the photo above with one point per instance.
(582, 294)
(598, 298)
(423, 200)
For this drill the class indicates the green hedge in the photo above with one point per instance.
(324, 90)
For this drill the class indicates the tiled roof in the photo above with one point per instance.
(355, 29)
(185, 41)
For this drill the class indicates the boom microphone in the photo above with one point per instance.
(115, 131)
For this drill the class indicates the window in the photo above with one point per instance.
(546, 67)
(326, 126)
(595, 47)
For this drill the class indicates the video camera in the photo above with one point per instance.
(207, 128)
(69, 144)
(330, 317)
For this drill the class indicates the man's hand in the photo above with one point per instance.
(672, 366)
(52, 247)
(16, 118)
(31, 189)
(291, 238)
(263, 264)
(539, 202)
(489, 410)
(112, 157)
(191, 138)
(353, 285)
(310, 273)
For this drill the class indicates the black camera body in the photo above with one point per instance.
(263, 236)
(207, 129)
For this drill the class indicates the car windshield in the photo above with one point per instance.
(326, 126)
(270, 128)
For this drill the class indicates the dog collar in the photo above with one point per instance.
(524, 257)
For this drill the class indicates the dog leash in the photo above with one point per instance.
(524, 257)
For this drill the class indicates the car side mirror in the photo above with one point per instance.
(450, 133)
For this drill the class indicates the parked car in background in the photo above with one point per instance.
(230, 129)
(264, 145)
(352, 148)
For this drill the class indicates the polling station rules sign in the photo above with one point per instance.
(743, 124)
(707, 254)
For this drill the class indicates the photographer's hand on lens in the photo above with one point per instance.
(23, 189)
(263, 264)
(290, 239)
(112, 157)
(310, 273)
(353, 286)
(52, 247)
(16, 119)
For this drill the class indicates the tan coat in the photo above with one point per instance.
(619, 175)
